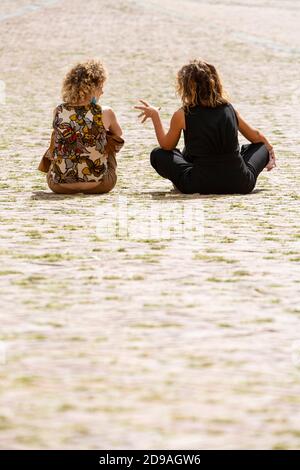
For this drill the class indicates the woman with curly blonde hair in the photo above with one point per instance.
(85, 135)
(212, 160)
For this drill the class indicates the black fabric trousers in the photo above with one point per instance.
(228, 177)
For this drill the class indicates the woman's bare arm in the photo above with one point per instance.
(111, 122)
(251, 134)
(255, 136)
(167, 140)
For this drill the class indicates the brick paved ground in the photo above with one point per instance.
(145, 342)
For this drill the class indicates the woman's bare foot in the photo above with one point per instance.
(272, 161)
(271, 164)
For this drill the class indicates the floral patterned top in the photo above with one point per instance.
(80, 139)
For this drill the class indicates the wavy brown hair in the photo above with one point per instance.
(198, 83)
(81, 81)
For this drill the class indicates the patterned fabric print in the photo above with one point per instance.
(80, 139)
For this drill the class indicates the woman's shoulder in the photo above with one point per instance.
(109, 113)
(179, 112)
(61, 106)
(229, 106)
(60, 109)
(56, 110)
(107, 110)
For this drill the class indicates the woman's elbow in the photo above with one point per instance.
(119, 131)
(167, 147)
(258, 137)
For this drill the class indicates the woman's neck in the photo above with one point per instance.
(83, 103)
(79, 104)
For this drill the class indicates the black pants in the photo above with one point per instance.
(227, 178)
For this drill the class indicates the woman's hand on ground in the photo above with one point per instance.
(272, 159)
(147, 111)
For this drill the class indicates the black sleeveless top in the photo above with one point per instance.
(211, 135)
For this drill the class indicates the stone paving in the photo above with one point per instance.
(145, 318)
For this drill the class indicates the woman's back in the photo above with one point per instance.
(80, 139)
(211, 134)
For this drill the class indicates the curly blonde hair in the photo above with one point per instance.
(81, 81)
(198, 83)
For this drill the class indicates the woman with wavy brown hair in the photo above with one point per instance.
(212, 160)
